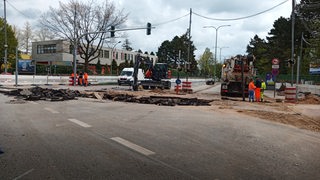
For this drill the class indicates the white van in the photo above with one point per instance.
(126, 76)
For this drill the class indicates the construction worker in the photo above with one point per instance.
(85, 78)
(80, 79)
(251, 89)
(72, 78)
(263, 87)
(257, 90)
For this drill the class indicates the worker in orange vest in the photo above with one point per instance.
(251, 89)
(257, 90)
(80, 79)
(85, 76)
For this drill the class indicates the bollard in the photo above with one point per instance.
(186, 86)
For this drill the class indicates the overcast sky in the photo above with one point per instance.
(233, 39)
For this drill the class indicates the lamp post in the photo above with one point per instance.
(216, 46)
(220, 51)
(112, 54)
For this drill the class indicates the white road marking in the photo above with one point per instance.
(51, 110)
(80, 123)
(133, 146)
(19, 177)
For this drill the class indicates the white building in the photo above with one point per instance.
(59, 52)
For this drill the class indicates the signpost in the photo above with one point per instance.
(275, 72)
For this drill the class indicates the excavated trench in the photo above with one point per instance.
(38, 93)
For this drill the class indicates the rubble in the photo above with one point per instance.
(156, 99)
(38, 93)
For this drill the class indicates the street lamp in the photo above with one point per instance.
(220, 51)
(215, 53)
(112, 54)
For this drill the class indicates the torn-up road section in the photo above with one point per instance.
(38, 93)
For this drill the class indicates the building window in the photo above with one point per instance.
(46, 49)
(106, 54)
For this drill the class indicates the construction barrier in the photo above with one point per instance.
(177, 88)
(290, 94)
(71, 80)
(186, 86)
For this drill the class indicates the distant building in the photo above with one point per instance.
(59, 52)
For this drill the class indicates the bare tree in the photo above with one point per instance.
(27, 36)
(75, 20)
(24, 37)
(44, 34)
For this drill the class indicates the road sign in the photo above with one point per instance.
(275, 66)
(275, 61)
(178, 81)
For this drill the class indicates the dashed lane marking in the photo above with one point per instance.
(80, 123)
(24, 174)
(52, 110)
(133, 146)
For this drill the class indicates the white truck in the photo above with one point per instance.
(126, 76)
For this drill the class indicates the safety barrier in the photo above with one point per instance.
(290, 94)
(186, 86)
(177, 88)
(71, 80)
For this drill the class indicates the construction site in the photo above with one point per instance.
(301, 113)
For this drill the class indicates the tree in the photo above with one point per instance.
(43, 34)
(114, 66)
(76, 20)
(309, 15)
(26, 38)
(206, 62)
(168, 53)
(125, 64)
(259, 48)
(127, 45)
(12, 43)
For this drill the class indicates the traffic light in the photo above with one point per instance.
(148, 28)
(290, 62)
(112, 31)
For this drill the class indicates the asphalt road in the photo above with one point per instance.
(91, 139)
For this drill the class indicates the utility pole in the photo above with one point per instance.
(187, 67)
(5, 39)
(292, 39)
(75, 47)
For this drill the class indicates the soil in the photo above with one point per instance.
(270, 110)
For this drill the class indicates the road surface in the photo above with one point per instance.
(92, 139)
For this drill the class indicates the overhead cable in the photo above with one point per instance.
(18, 9)
(240, 18)
(166, 22)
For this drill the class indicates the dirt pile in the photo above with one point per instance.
(309, 99)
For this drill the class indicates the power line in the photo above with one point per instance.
(239, 18)
(18, 10)
(170, 21)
